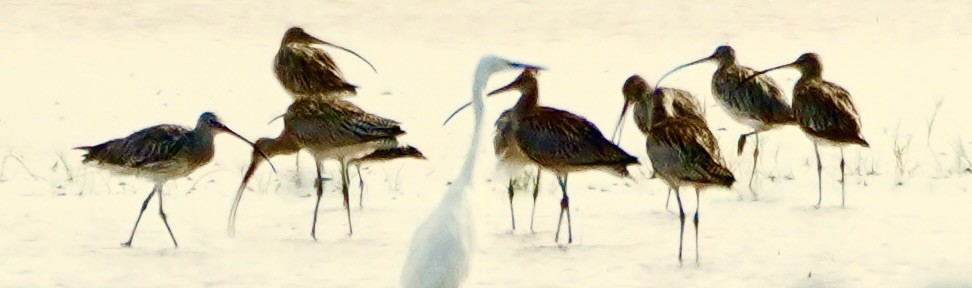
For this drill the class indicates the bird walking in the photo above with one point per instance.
(825, 112)
(305, 70)
(328, 128)
(161, 153)
(637, 92)
(560, 141)
(684, 152)
(757, 103)
(441, 248)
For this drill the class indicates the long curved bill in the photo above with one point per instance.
(508, 87)
(658, 84)
(231, 224)
(764, 72)
(464, 106)
(237, 135)
(618, 127)
(319, 41)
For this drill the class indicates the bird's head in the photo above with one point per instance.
(723, 55)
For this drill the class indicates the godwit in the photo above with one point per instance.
(560, 141)
(328, 128)
(684, 152)
(513, 159)
(758, 104)
(307, 71)
(637, 92)
(443, 244)
(824, 111)
(160, 153)
(382, 155)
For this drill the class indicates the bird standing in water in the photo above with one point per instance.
(825, 112)
(757, 103)
(161, 153)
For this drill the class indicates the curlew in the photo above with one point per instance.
(441, 248)
(328, 128)
(758, 104)
(160, 153)
(559, 141)
(825, 112)
(382, 155)
(684, 152)
(637, 92)
(308, 71)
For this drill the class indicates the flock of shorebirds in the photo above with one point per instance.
(679, 143)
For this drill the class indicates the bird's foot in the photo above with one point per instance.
(127, 244)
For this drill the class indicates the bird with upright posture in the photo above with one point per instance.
(510, 156)
(328, 128)
(308, 71)
(758, 103)
(684, 152)
(825, 112)
(637, 92)
(441, 248)
(559, 141)
(382, 155)
(161, 153)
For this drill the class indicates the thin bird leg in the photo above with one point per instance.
(345, 178)
(509, 190)
(360, 187)
(681, 217)
(819, 176)
(698, 200)
(842, 184)
(297, 170)
(144, 204)
(564, 207)
(536, 191)
(320, 191)
(668, 199)
(162, 213)
(753, 173)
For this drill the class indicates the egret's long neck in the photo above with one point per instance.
(468, 167)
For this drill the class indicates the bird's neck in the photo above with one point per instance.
(529, 99)
(282, 145)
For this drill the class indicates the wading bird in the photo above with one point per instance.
(328, 128)
(758, 103)
(441, 248)
(308, 71)
(560, 141)
(684, 152)
(512, 159)
(825, 112)
(161, 153)
(382, 155)
(637, 93)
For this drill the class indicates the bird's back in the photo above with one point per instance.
(307, 71)
(825, 110)
(684, 150)
(163, 149)
(757, 102)
(324, 124)
(558, 139)
(684, 103)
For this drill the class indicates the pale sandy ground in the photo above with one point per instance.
(81, 72)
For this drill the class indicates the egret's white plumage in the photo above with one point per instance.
(442, 246)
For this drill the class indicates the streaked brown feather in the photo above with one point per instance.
(557, 138)
(825, 111)
(684, 150)
(304, 70)
(164, 149)
(759, 98)
(390, 154)
(320, 123)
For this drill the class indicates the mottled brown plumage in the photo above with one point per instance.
(328, 128)
(757, 103)
(382, 155)
(684, 152)
(559, 141)
(639, 94)
(825, 112)
(160, 153)
(305, 70)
